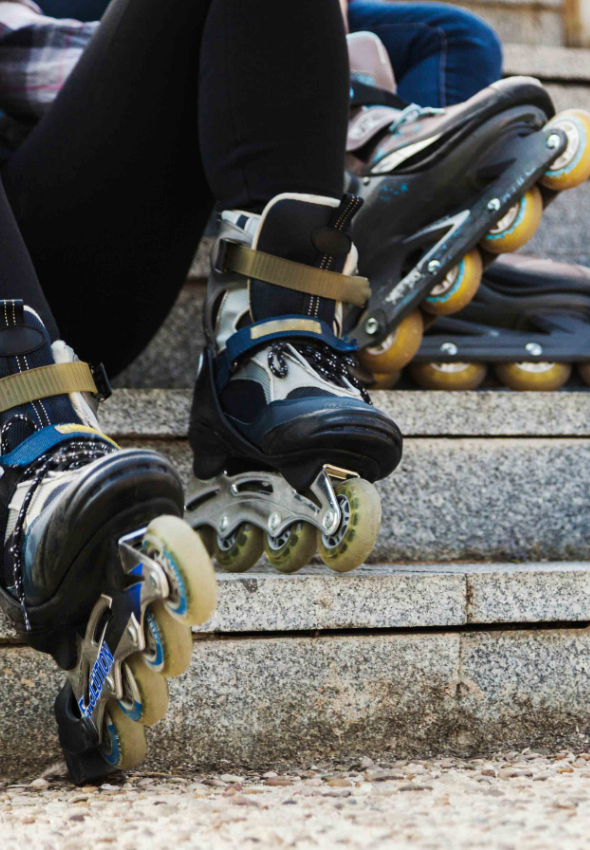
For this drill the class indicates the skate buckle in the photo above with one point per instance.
(101, 379)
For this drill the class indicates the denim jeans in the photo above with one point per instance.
(440, 54)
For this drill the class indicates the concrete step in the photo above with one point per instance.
(408, 656)
(491, 475)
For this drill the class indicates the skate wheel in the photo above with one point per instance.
(534, 376)
(354, 540)
(584, 372)
(517, 226)
(207, 535)
(171, 542)
(123, 742)
(397, 349)
(292, 549)
(385, 381)
(448, 376)
(458, 287)
(572, 167)
(145, 697)
(169, 643)
(241, 549)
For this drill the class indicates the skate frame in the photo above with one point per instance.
(266, 500)
(98, 676)
(455, 235)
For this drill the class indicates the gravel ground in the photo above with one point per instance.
(517, 801)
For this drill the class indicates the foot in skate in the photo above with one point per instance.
(98, 569)
(286, 442)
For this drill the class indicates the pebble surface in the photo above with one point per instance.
(514, 801)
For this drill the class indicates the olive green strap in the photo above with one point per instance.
(280, 272)
(45, 381)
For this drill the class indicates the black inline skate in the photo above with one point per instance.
(286, 441)
(98, 568)
(530, 319)
(445, 191)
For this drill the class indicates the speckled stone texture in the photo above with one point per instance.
(276, 698)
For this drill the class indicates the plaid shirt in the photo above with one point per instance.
(37, 54)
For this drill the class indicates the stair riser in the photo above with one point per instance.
(256, 701)
(476, 499)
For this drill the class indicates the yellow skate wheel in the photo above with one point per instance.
(572, 167)
(517, 226)
(458, 287)
(169, 643)
(292, 549)
(123, 740)
(540, 377)
(171, 542)
(584, 372)
(241, 549)
(145, 697)
(448, 376)
(385, 381)
(357, 534)
(397, 349)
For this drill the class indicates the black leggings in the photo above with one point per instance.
(173, 104)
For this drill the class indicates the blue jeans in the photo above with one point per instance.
(440, 54)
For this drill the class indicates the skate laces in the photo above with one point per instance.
(335, 367)
(68, 457)
(413, 112)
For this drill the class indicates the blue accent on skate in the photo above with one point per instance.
(158, 662)
(521, 212)
(182, 606)
(45, 439)
(579, 154)
(135, 712)
(114, 757)
(100, 670)
(133, 593)
(440, 299)
(243, 341)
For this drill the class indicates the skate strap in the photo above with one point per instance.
(237, 258)
(269, 330)
(362, 94)
(46, 381)
(46, 438)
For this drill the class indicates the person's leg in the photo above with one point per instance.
(440, 54)
(18, 278)
(109, 189)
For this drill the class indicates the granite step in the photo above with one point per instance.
(414, 654)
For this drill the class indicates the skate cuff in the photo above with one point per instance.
(283, 327)
(51, 380)
(47, 438)
(239, 259)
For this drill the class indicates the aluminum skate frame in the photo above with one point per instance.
(265, 500)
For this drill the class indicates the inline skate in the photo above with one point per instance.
(445, 191)
(98, 568)
(529, 318)
(285, 438)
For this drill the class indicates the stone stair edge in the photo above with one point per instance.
(548, 62)
(395, 596)
(163, 413)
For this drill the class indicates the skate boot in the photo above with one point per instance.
(98, 568)
(286, 441)
(530, 320)
(445, 191)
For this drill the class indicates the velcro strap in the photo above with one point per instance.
(45, 381)
(239, 259)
